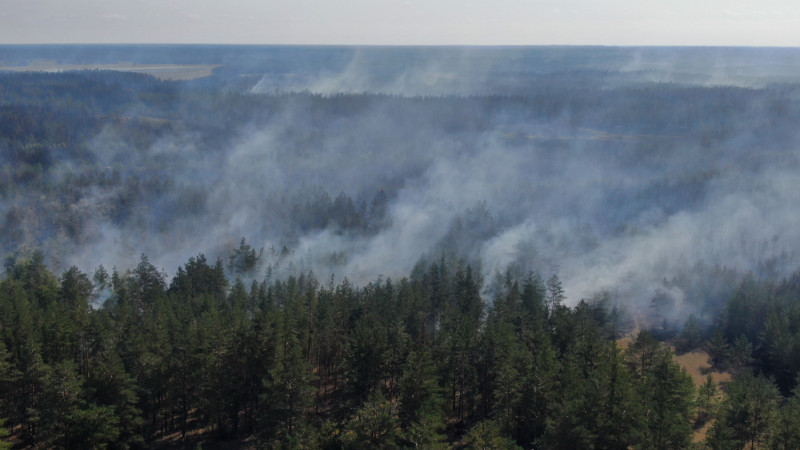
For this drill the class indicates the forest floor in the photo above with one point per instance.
(698, 366)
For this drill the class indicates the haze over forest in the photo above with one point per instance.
(616, 168)
(449, 240)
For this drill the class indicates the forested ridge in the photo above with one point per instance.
(423, 361)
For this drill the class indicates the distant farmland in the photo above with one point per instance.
(160, 71)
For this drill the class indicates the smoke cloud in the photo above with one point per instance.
(618, 183)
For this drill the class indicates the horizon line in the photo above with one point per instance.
(156, 44)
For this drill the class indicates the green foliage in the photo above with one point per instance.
(458, 340)
(669, 399)
(690, 336)
(365, 349)
(487, 435)
(374, 425)
(667, 394)
(741, 353)
(60, 402)
(128, 360)
(420, 393)
(596, 405)
(556, 293)
(244, 259)
(420, 410)
(784, 433)
(288, 386)
(706, 402)
(642, 355)
(28, 269)
(746, 413)
(114, 392)
(93, 427)
(718, 350)
(746, 311)
(4, 445)
(420, 363)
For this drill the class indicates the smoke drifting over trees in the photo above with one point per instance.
(615, 168)
(407, 247)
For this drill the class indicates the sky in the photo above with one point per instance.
(404, 22)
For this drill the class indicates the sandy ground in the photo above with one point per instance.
(160, 71)
(697, 364)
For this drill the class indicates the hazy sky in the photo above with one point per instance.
(478, 22)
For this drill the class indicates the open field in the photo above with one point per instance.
(173, 72)
(698, 366)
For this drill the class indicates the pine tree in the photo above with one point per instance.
(668, 394)
(366, 346)
(374, 425)
(689, 337)
(706, 401)
(288, 387)
(114, 389)
(556, 296)
(741, 353)
(243, 260)
(458, 339)
(4, 445)
(60, 402)
(9, 377)
(487, 435)
(595, 405)
(745, 413)
(718, 350)
(75, 294)
(93, 427)
(421, 403)
(784, 433)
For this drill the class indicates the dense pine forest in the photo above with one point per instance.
(516, 259)
(423, 361)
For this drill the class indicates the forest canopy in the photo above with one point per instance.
(400, 254)
(425, 360)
